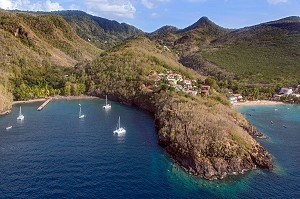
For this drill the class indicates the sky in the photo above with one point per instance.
(149, 15)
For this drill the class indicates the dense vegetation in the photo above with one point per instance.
(190, 39)
(36, 53)
(271, 55)
(125, 69)
(101, 32)
(255, 61)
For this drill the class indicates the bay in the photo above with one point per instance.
(54, 154)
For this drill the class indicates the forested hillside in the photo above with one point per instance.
(37, 51)
(255, 61)
(266, 53)
(101, 32)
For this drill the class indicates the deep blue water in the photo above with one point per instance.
(53, 154)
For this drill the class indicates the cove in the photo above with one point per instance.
(53, 154)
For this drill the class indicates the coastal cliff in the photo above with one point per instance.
(208, 140)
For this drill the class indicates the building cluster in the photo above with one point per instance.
(287, 92)
(181, 84)
(234, 98)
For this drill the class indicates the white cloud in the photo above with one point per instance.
(153, 3)
(47, 5)
(5, 4)
(277, 1)
(148, 4)
(119, 8)
(154, 15)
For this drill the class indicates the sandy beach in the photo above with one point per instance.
(55, 98)
(257, 103)
(29, 101)
(74, 97)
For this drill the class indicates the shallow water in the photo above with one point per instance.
(53, 154)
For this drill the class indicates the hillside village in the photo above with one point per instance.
(290, 94)
(176, 82)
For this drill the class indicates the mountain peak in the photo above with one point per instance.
(202, 23)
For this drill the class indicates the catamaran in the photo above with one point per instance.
(106, 106)
(20, 117)
(119, 130)
(80, 115)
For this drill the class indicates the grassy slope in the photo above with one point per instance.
(262, 54)
(47, 36)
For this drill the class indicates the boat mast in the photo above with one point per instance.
(20, 112)
(79, 110)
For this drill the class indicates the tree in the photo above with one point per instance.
(67, 89)
(212, 83)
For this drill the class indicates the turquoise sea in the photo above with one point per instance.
(53, 154)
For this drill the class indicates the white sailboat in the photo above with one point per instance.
(20, 117)
(119, 130)
(106, 106)
(9, 127)
(80, 115)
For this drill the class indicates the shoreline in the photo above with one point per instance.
(29, 101)
(257, 103)
(44, 99)
(55, 98)
(74, 97)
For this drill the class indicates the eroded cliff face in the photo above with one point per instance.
(209, 141)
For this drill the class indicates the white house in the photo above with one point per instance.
(286, 91)
(232, 100)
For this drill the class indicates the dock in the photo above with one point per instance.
(44, 104)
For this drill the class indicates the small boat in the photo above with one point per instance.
(80, 115)
(9, 127)
(272, 122)
(284, 126)
(20, 117)
(106, 106)
(119, 130)
(276, 109)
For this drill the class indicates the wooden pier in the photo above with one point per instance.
(44, 104)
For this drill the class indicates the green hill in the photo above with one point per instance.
(190, 39)
(101, 32)
(36, 51)
(265, 53)
(203, 134)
